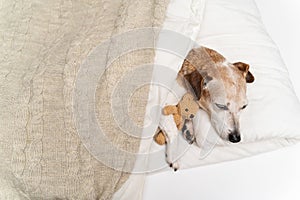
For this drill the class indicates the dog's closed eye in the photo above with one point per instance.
(222, 107)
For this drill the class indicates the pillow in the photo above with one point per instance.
(271, 120)
(237, 32)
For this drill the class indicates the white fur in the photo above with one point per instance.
(168, 126)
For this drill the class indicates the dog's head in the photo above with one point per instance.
(219, 87)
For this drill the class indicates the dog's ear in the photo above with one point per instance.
(243, 67)
(191, 78)
(194, 82)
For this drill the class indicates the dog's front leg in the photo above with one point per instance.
(170, 130)
(171, 150)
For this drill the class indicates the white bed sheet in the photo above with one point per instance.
(274, 175)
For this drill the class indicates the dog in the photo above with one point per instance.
(219, 87)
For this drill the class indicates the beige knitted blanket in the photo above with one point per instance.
(43, 45)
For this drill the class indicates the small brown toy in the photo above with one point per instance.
(184, 111)
(159, 137)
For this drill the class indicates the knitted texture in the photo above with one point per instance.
(43, 44)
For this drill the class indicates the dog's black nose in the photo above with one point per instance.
(234, 137)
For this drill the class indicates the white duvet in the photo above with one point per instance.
(233, 28)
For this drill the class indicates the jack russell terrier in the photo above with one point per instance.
(219, 88)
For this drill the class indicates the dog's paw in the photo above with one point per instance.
(174, 165)
(188, 132)
(190, 138)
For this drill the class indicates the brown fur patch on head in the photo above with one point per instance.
(186, 68)
(214, 55)
(203, 64)
(201, 59)
(195, 70)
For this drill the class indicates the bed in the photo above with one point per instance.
(272, 175)
(82, 84)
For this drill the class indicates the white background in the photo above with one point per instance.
(282, 20)
(261, 177)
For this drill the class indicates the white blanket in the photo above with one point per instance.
(233, 28)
